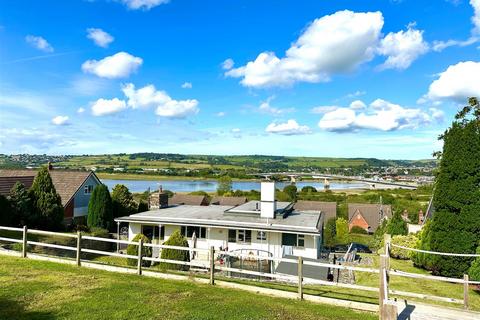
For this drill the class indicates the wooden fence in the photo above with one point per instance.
(387, 307)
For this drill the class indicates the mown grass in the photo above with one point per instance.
(45, 290)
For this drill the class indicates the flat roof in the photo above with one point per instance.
(305, 222)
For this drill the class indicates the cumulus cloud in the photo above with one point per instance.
(332, 44)
(289, 128)
(402, 48)
(149, 96)
(357, 105)
(187, 85)
(457, 83)
(120, 65)
(143, 4)
(265, 107)
(220, 114)
(380, 115)
(99, 37)
(80, 110)
(60, 120)
(39, 43)
(228, 64)
(475, 32)
(324, 109)
(103, 107)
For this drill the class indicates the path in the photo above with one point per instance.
(418, 311)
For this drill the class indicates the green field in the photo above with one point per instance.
(46, 290)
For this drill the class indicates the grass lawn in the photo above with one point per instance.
(46, 290)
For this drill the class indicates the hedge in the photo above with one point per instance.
(176, 239)
(409, 241)
(132, 249)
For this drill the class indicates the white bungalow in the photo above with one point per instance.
(266, 226)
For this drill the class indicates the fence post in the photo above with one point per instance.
(465, 291)
(212, 265)
(300, 278)
(79, 247)
(381, 296)
(140, 249)
(24, 248)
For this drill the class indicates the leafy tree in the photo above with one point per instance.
(47, 205)
(308, 189)
(176, 239)
(474, 271)
(132, 249)
(330, 232)
(21, 205)
(396, 225)
(378, 234)
(100, 212)
(142, 206)
(455, 226)
(122, 200)
(291, 192)
(224, 185)
(341, 230)
(5, 212)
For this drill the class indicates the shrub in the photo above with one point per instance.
(176, 239)
(308, 189)
(396, 225)
(21, 205)
(474, 271)
(378, 235)
(142, 206)
(341, 229)
(100, 212)
(329, 233)
(409, 241)
(358, 230)
(132, 250)
(47, 204)
(122, 201)
(291, 192)
(5, 212)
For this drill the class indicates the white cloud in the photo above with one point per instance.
(332, 44)
(381, 115)
(289, 128)
(236, 130)
(60, 120)
(103, 107)
(120, 65)
(143, 4)
(437, 114)
(149, 96)
(265, 107)
(80, 110)
(220, 114)
(100, 37)
(324, 109)
(402, 48)
(39, 43)
(476, 16)
(187, 85)
(228, 64)
(458, 82)
(357, 105)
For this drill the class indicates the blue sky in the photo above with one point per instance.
(305, 78)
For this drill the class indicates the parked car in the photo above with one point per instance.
(361, 248)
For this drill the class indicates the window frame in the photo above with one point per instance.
(262, 235)
(187, 231)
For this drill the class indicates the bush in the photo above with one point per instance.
(474, 271)
(132, 250)
(396, 225)
(142, 206)
(409, 241)
(358, 230)
(291, 192)
(5, 212)
(330, 232)
(341, 228)
(100, 212)
(308, 189)
(21, 205)
(378, 235)
(176, 239)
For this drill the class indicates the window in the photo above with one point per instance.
(153, 232)
(88, 189)
(261, 235)
(232, 235)
(294, 240)
(240, 236)
(200, 232)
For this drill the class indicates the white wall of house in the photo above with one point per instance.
(218, 237)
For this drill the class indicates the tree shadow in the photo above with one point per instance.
(12, 310)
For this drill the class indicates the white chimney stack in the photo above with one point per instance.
(268, 205)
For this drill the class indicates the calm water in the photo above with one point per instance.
(211, 185)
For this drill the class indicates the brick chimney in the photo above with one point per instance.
(162, 198)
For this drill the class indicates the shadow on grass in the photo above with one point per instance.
(12, 310)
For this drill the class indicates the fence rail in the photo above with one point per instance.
(387, 308)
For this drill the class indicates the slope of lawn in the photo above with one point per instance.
(46, 290)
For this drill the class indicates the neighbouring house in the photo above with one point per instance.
(228, 201)
(267, 227)
(329, 209)
(7, 183)
(367, 216)
(189, 199)
(74, 188)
